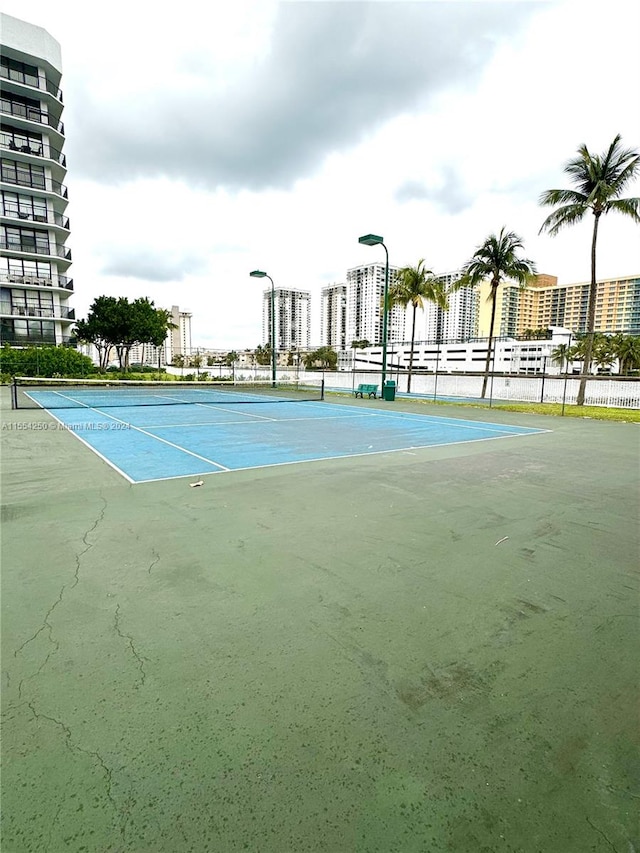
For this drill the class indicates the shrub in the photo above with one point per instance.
(44, 361)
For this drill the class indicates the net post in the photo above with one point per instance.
(14, 393)
(322, 388)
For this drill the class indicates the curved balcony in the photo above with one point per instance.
(56, 220)
(45, 184)
(57, 252)
(31, 118)
(36, 281)
(16, 109)
(42, 83)
(34, 148)
(16, 339)
(51, 313)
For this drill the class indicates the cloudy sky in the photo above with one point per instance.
(217, 138)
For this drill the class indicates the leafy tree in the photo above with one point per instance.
(263, 354)
(326, 356)
(497, 260)
(178, 360)
(412, 286)
(97, 328)
(599, 180)
(363, 344)
(116, 322)
(231, 358)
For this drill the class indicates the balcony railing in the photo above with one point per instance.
(37, 311)
(41, 83)
(26, 111)
(40, 184)
(37, 249)
(36, 149)
(36, 281)
(18, 340)
(48, 218)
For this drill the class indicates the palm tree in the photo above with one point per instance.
(496, 259)
(412, 286)
(560, 354)
(599, 180)
(626, 348)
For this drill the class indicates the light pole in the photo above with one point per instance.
(375, 240)
(261, 274)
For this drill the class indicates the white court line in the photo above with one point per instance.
(345, 456)
(97, 452)
(478, 426)
(440, 418)
(249, 423)
(144, 432)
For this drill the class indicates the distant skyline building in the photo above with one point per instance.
(292, 316)
(179, 339)
(545, 304)
(365, 291)
(460, 322)
(333, 316)
(507, 309)
(34, 282)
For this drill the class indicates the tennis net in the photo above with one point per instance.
(38, 393)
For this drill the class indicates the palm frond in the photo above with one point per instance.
(563, 217)
(550, 198)
(628, 206)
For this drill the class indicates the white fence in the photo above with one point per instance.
(622, 393)
(601, 391)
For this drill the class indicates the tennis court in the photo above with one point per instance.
(422, 650)
(154, 431)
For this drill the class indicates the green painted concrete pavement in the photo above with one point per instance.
(419, 651)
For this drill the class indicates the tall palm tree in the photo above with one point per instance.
(413, 286)
(496, 259)
(599, 180)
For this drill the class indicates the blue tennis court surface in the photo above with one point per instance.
(147, 443)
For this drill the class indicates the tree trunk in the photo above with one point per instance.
(413, 334)
(494, 293)
(591, 317)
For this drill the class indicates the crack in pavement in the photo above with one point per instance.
(134, 651)
(155, 561)
(46, 625)
(597, 829)
(71, 746)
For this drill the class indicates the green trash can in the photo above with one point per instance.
(389, 391)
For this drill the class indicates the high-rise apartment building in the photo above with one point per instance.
(333, 316)
(365, 291)
(458, 323)
(293, 318)
(507, 309)
(34, 263)
(547, 303)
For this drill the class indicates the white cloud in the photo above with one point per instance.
(459, 143)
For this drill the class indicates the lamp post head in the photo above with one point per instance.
(257, 274)
(371, 240)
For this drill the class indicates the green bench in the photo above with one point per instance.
(369, 390)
